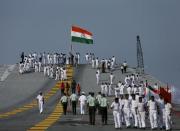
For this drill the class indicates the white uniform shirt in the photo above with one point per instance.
(113, 59)
(115, 106)
(111, 77)
(97, 62)
(82, 99)
(141, 107)
(102, 88)
(93, 62)
(152, 105)
(87, 57)
(106, 88)
(126, 104)
(40, 98)
(141, 90)
(129, 90)
(135, 90)
(137, 98)
(97, 75)
(122, 89)
(119, 84)
(134, 104)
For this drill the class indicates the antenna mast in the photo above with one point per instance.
(140, 61)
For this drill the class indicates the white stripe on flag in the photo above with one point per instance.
(81, 35)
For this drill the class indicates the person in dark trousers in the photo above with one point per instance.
(103, 67)
(98, 99)
(125, 66)
(122, 69)
(73, 86)
(104, 106)
(22, 57)
(73, 100)
(92, 109)
(64, 101)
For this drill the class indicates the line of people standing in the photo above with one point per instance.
(88, 104)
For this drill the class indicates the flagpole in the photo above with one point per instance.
(71, 48)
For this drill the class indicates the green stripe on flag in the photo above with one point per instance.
(82, 40)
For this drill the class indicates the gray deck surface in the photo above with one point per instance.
(18, 89)
(86, 77)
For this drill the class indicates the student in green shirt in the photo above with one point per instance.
(92, 109)
(104, 106)
(73, 100)
(64, 101)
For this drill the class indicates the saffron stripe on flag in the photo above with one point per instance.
(77, 29)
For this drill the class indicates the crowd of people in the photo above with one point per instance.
(132, 105)
(52, 64)
(129, 110)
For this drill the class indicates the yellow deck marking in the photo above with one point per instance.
(58, 111)
(30, 105)
(49, 120)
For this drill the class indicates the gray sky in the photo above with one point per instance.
(44, 25)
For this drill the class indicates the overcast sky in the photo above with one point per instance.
(44, 25)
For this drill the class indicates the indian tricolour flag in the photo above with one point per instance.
(81, 35)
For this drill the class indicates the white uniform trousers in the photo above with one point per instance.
(57, 76)
(106, 90)
(161, 118)
(97, 80)
(127, 116)
(110, 91)
(36, 68)
(141, 119)
(39, 68)
(111, 81)
(102, 90)
(116, 93)
(117, 120)
(40, 107)
(168, 121)
(134, 115)
(82, 108)
(97, 65)
(153, 118)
